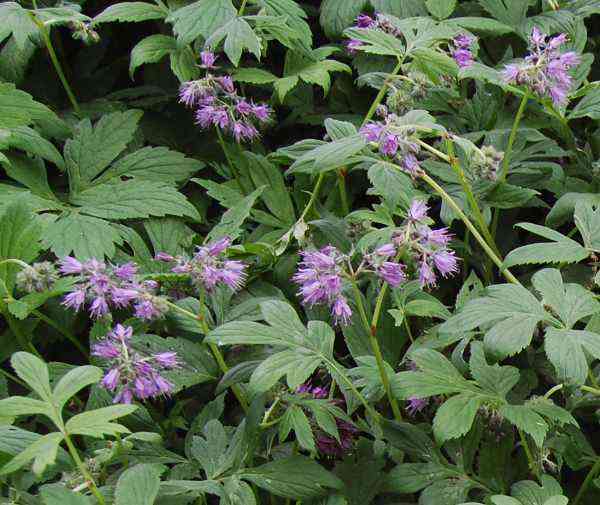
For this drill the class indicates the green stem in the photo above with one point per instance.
(83, 469)
(589, 389)
(232, 169)
(56, 63)
(213, 347)
(507, 155)
(488, 250)
(407, 327)
(313, 196)
(460, 173)
(531, 462)
(588, 480)
(553, 390)
(242, 8)
(343, 194)
(371, 332)
(592, 378)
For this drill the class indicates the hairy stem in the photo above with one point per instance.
(83, 469)
(232, 168)
(343, 193)
(455, 207)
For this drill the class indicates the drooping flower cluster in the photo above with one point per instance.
(487, 164)
(320, 276)
(327, 444)
(545, 70)
(377, 22)
(37, 277)
(405, 93)
(209, 266)
(218, 104)
(394, 140)
(428, 247)
(460, 49)
(131, 374)
(106, 287)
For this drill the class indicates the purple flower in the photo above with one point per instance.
(70, 265)
(445, 262)
(167, 359)
(426, 275)
(353, 45)
(439, 237)
(392, 273)
(74, 300)
(191, 92)
(261, 112)
(99, 307)
(111, 379)
(460, 50)
(208, 59)
(364, 21)
(386, 250)
(162, 256)
(410, 164)
(243, 107)
(416, 405)
(372, 131)
(126, 271)
(226, 83)
(320, 278)
(145, 309)
(417, 211)
(389, 145)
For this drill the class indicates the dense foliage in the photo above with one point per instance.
(331, 252)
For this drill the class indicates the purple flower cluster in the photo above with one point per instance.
(209, 266)
(106, 287)
(320, 279)
(218, 104)
(460, 49)
(378, 22)
(545, 70)
(429, 247)
(314, 391)
(416, 405)
(132, 375)
(393, 140)
(391, 272)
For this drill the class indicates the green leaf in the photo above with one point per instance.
(183, 64)
(139, 485)
(34, 372)
(27, 139)
(254, 75)
(233, 218)
(437, 376)
(133, 199)
(301, 426)
(73, 382)
(201, 18)
(85, 236)
(282, 316)
(571, 302)
(92, 149)
(441, 9)
(512, 313)
(413, 477)
(377, 42)
(455, 417)
(157, 164)
(58, 494)
(18, 108)
(97, 423)
(130, 12)
(509, 12)
(22, 406)
(14, 60)
(336, 15)
(485, 26)
(151, 50)
(527, 420)
(390, 183)
(328, 156)
(20, 232)
(238, 36)
(588, 106)
(565, 350)
(435, 64)
(493, 378)
(587, 220)
(17, 21)
(562, 249)
(294, 477)
(43, 451)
